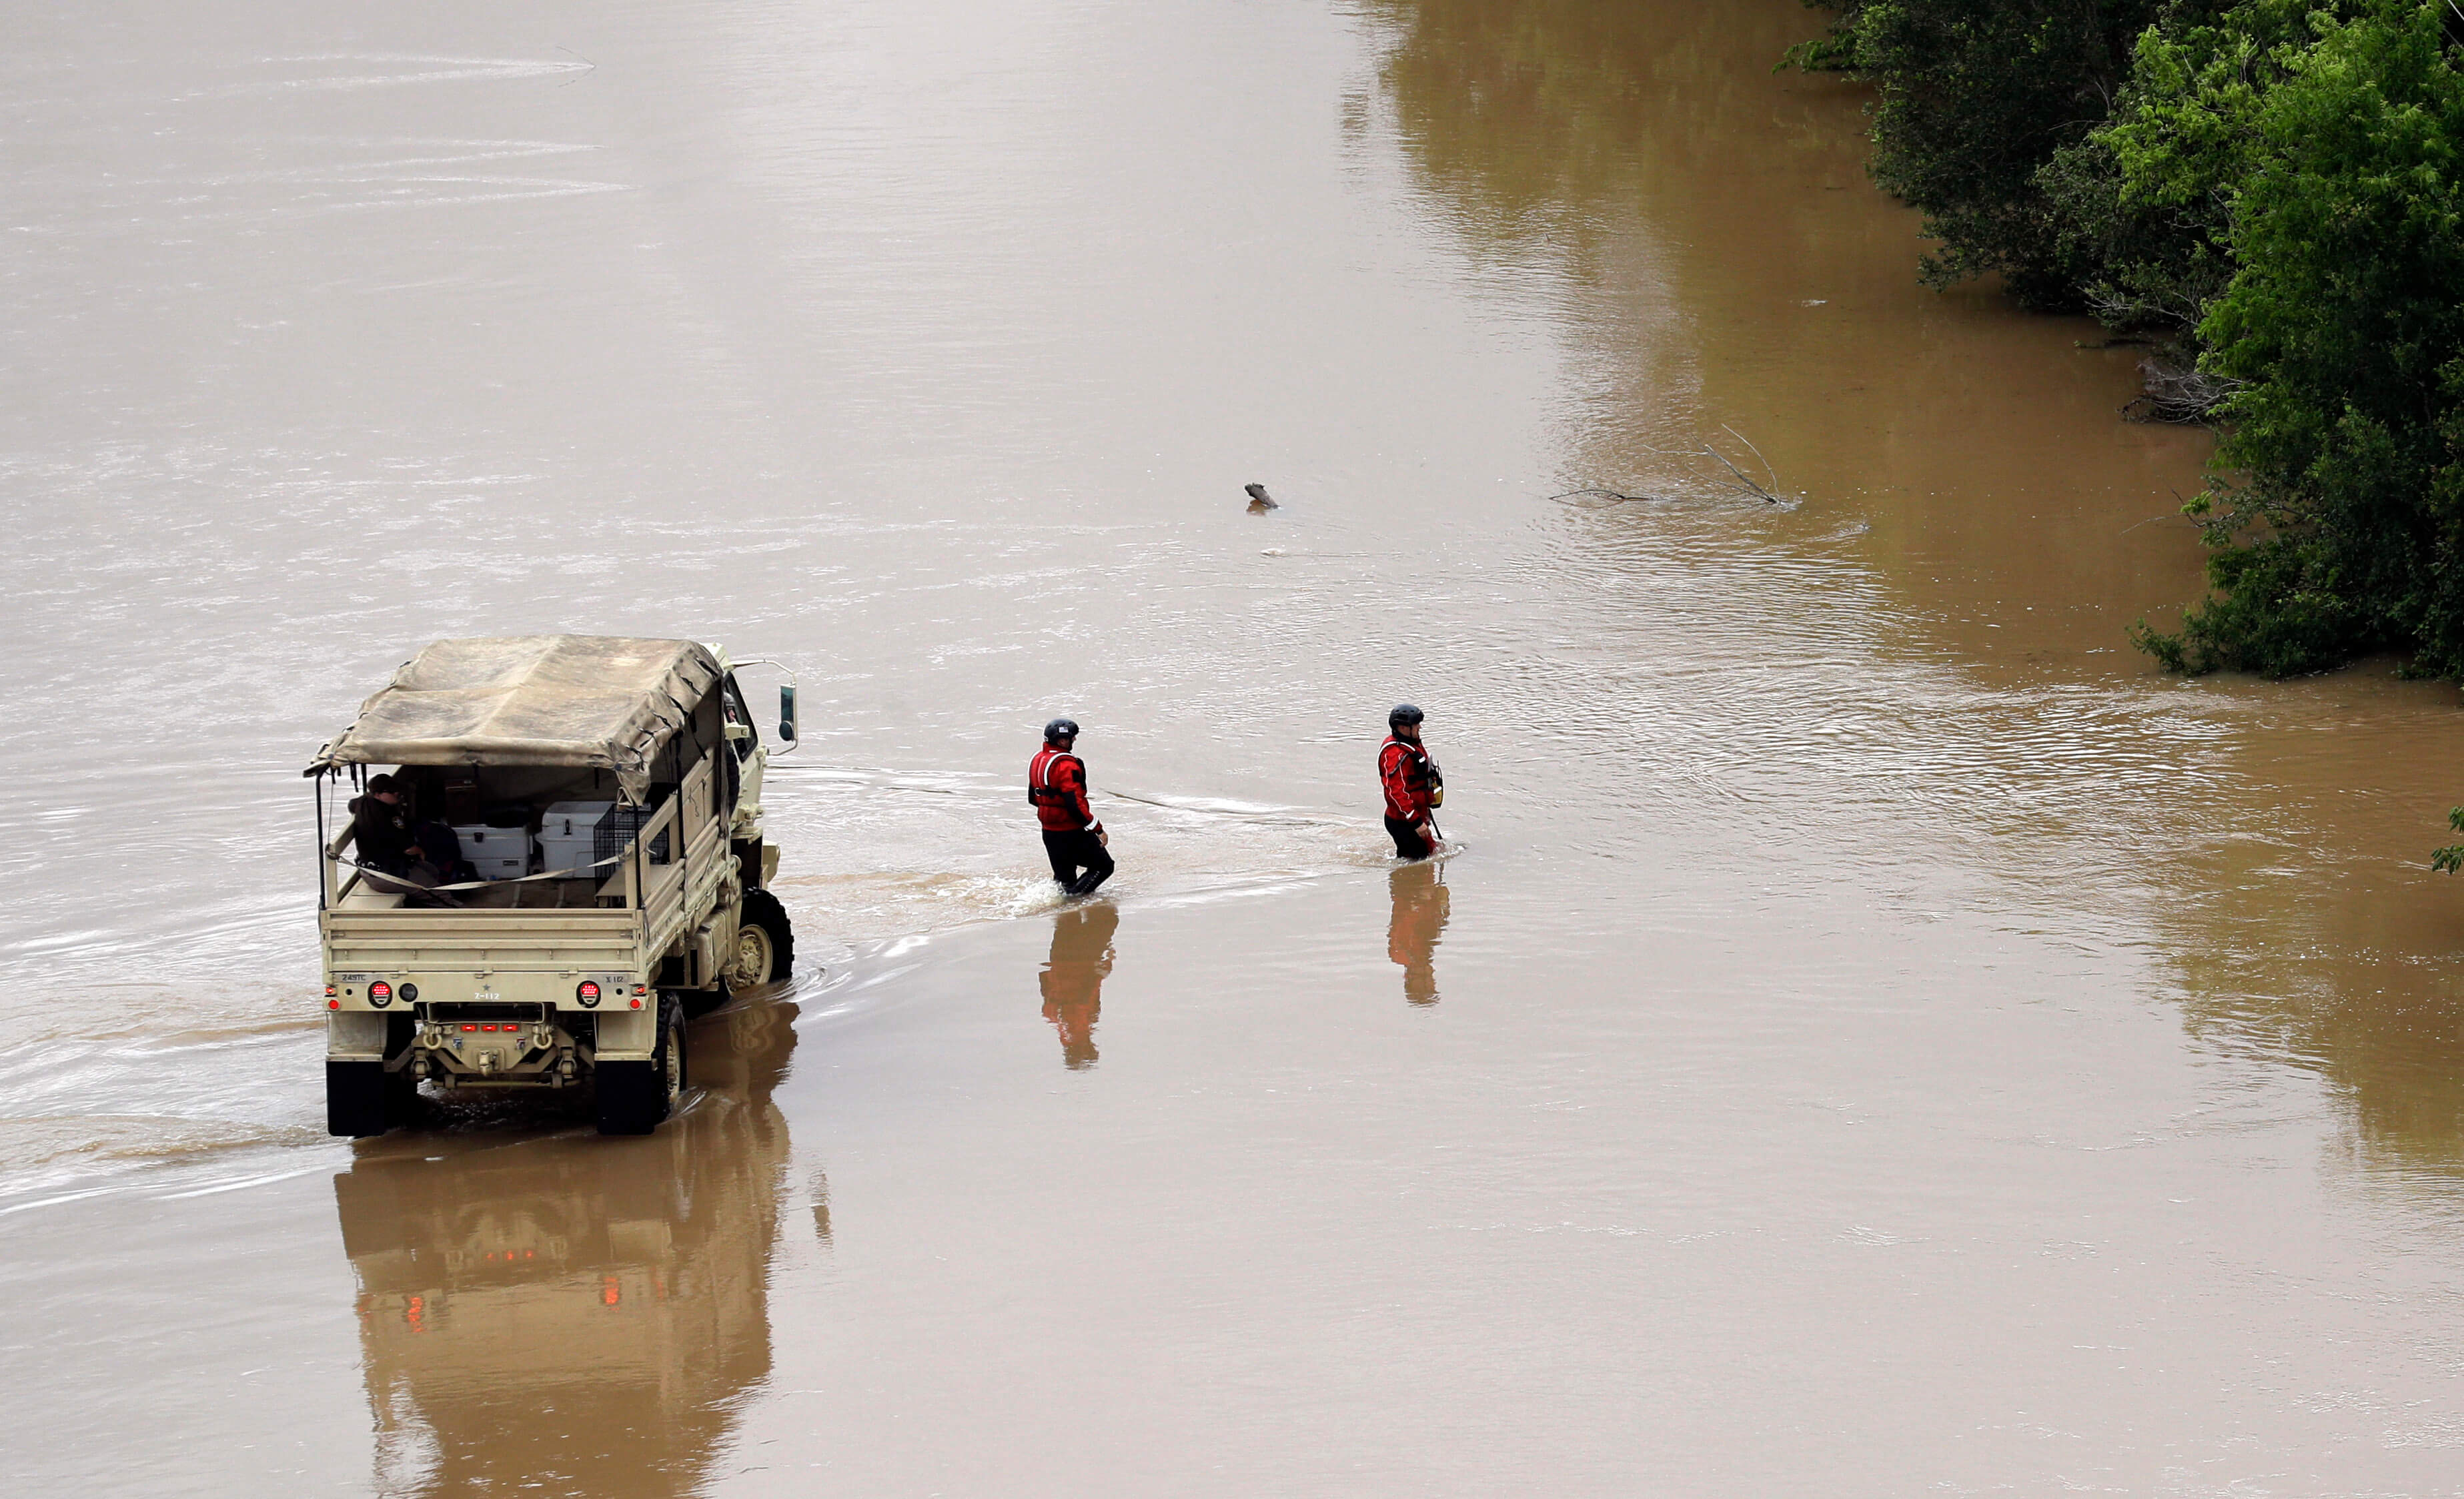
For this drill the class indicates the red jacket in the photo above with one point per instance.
(1404, 769)
(1056, 783)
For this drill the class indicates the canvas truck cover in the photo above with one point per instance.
(600, 701)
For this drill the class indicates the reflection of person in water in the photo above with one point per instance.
(1073, 977)
(553, 1303)
(1412, 933)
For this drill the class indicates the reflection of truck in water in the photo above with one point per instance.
(625, 776)
(569, 1311)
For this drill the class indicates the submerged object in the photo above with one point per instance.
(1259, 501)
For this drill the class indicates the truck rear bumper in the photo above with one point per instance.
(545, 1048)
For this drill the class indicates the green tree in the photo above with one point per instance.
(2155, 234)
(2272, 185)
(2449, 859)
(1974, 99)
(2329, 143)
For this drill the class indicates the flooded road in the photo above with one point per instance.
(1875, 1036)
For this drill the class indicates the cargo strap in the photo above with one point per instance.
(400, 885)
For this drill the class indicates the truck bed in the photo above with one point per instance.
(373, 931)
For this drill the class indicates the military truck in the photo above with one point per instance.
(608, 791)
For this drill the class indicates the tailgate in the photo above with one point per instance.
(514, 941)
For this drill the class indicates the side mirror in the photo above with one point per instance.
(786, 715)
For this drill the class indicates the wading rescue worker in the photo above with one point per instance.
(1056, 783)
(1413, 783)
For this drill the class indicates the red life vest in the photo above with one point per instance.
(1056, 783)
(1404, 770)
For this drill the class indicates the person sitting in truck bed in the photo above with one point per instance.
(381, 832)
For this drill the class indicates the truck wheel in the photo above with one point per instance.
(401, 1097)
(355, 1098)
(765, 945)
(401, 1083)
(634, 1096)
(669, 1058)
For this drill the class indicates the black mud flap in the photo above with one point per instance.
(631, 1097)
(355, 1098)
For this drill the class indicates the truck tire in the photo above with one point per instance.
(355, 1098)
(766, 944)
(635, 1096)
(401, 1097)
(401, 1086)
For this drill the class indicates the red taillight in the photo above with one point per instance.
(332, 1005)
(587, 993)
(471, 1027)
(329, 991)
(637, 1005)
(381, 992)
(487, 1028)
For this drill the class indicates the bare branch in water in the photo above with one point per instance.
(1750, 487)
(1706, 451)
(1604, 493)
(2176, 393)
(1769, 471)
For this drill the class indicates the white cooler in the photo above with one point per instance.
(568, 831)
(497, 853)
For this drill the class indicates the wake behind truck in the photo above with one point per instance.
(608, 791)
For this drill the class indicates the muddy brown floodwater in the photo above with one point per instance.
(1877, 1036)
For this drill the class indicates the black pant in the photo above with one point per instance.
(1408, 842)
(444, 849)
(1069, 852)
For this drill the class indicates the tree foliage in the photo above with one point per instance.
(2331, 144)
(2449, 859)
(2277, 186)
(1974, 97)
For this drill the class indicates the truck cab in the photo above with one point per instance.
(566, 861)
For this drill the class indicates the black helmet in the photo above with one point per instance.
(1404, 714)
(1060, 729)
